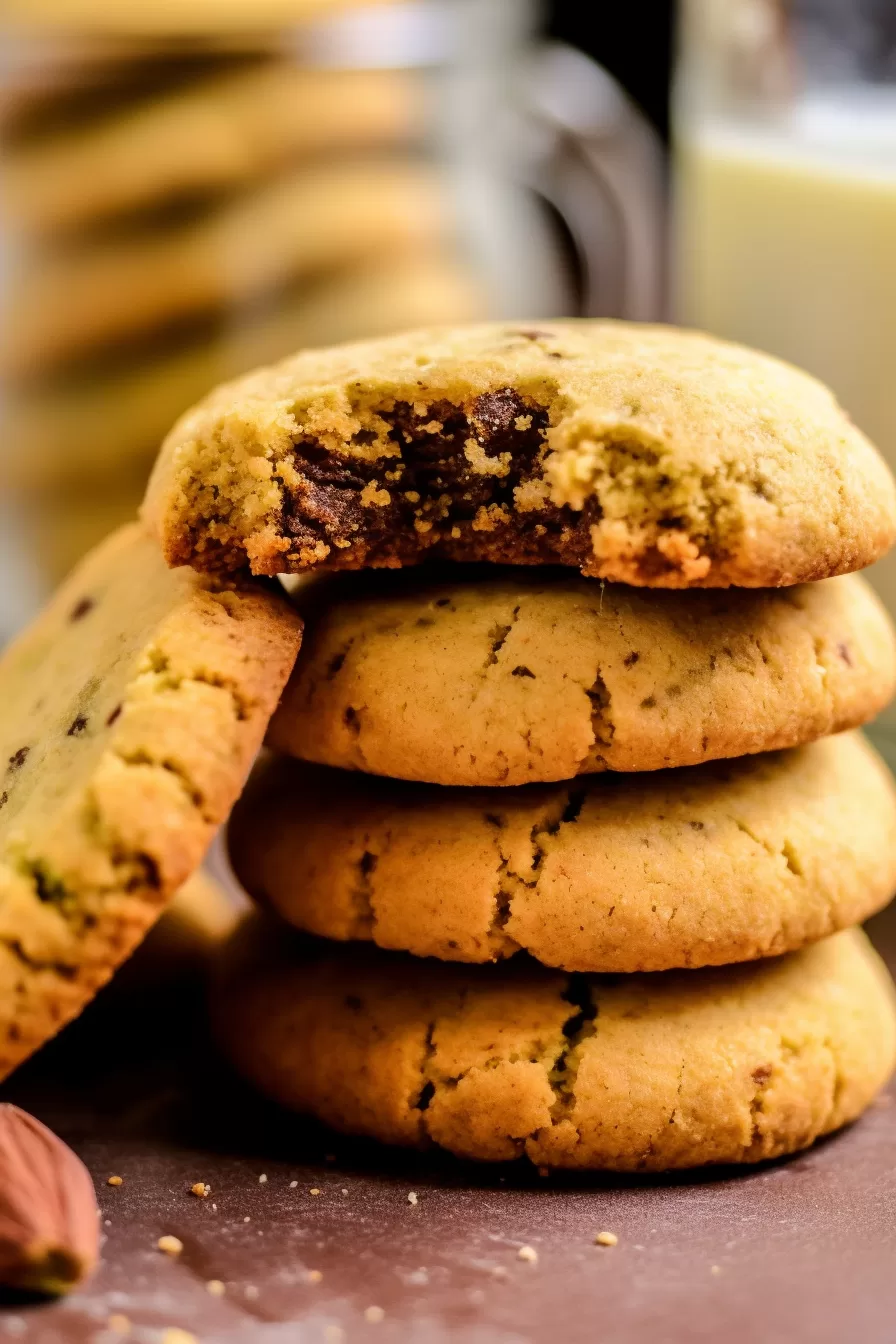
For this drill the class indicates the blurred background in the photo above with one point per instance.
(194, 187)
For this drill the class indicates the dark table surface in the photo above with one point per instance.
(802, 1251)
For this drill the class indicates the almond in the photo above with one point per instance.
(49, 1235)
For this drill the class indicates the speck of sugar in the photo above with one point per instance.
(527, 1253)
(215, 1287)
(262, 1180)
(107, 1222)
(373, 1315)
(412, 1197)
(606, 1239)
(344, 1191)
(293, 1184)
(247, 1219)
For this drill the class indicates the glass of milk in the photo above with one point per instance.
(785, 238)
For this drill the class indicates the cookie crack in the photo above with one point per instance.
(579, 1027)
(603, 728)
(550, 826)
(786, 851)
(362, 895)
(497, 637)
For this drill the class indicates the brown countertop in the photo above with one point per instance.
(798, 1251)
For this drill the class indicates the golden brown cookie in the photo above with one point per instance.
(131, 710)
(702, 866)
(484, 677)
(642, 454)
(635, 1073)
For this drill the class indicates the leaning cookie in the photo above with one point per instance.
(635, 1073)
(516, 677)
(130, 712)
(702, 866)
(642, 454)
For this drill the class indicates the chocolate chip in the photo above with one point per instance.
(77, 727)
(522, 672)
(81, 608)
(18, 758)
(113, 716)
(631, 659)
(4, 798)
(843, 650)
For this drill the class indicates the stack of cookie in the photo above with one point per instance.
(553, 776)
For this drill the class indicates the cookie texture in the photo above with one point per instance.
(643, 454)
(636, 1073)
(131, 711)
(526, 676)
(703, 866)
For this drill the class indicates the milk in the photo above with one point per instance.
(786, 240)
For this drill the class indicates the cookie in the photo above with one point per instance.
(108, 421)
(642, 454)
(495, 678)
(131, 710)
(98, 294)
(635, 1073)
(216, 133)
(702, 866)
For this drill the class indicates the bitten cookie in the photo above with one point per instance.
(521, 677)
(130, 712)
(636, 1073)
(702, 866)
(643, 454)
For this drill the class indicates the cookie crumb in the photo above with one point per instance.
(200, 1190)
(314, 1191)
(247, 1219)
(262, 1180)
(174, 1335)
(373, 1315)
(715, 1269)
(606, 1239)
(107, 1222)
(251, 1292)
(314, 1276)
(215, 1208)
(412, 1197)
(115, 1180)
(120, 1324)
(215, 1287)
(344, 1191)
(293, 1184)
(528, 1253)
(544, 1172)
(170, 1245)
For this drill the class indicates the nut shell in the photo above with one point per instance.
(49, 1227)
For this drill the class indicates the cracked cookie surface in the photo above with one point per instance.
(705, 865)
(130, 711)
(629, 1073)
(642, 454)
(517, 677)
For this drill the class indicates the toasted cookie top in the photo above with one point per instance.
(626, 1073)
(703, 866)
(129, 714)
(502, 677)
(643, 454)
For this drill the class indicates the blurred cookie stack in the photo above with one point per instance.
(641, 804)
(182, 202)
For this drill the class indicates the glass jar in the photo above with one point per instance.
(186, 196)
(785, 158)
